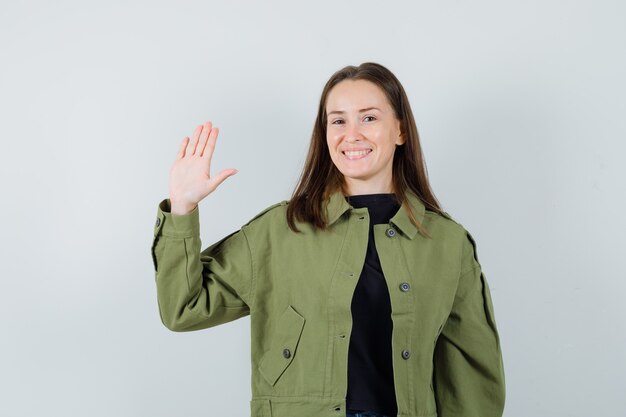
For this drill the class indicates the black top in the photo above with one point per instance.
(370, 367)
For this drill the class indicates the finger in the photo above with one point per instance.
(206, 130)
(202, 145)
(191, 145)
(217, 179)
(210, 144)
(182, 147)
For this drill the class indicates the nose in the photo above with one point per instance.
(353, 132)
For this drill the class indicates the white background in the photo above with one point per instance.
(521, 112)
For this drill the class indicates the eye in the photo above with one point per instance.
(370, 116)
(338, 120)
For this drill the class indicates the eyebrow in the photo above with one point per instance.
(360, 111)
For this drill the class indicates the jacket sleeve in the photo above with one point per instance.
(468, 366)
(199, 289)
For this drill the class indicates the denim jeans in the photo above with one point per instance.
(355, 413)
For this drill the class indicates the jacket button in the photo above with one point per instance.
(391, 232)
(405, 286)
(158, 222)
(286, 353)
(406, 354)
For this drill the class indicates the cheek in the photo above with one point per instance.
(332, 144)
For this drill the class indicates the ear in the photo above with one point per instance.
(401, 136)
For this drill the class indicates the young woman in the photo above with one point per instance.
(365, 298)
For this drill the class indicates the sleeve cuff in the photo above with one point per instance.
(175, 225)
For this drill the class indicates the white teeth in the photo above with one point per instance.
(356, 153)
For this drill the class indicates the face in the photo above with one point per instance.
(362, 133)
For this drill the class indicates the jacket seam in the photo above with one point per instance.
(331, 328)
(252, 289)
(320, 397)
(461, 255)
(458, 280)
(468, 271)
(187, 266)
(178, 235)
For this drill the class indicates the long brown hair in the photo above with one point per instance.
(320, 177)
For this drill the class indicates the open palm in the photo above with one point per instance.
(190, 175)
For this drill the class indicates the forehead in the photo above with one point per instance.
(355, 94)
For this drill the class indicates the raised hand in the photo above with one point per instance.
(190, 175)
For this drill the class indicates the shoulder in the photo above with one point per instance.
(443, 224)
(269, 213)
(452, 228)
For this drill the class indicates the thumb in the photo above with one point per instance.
(216, 180)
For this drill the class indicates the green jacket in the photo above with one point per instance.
(297, 289)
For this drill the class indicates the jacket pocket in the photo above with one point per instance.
(283, 345)
(157, 241)
(260, 407)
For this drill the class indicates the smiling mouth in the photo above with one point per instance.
(352, 155)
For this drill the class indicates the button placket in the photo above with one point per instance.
(158, 224)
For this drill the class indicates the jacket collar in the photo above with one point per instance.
(337, 205)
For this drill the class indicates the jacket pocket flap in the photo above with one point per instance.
(283, 346)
